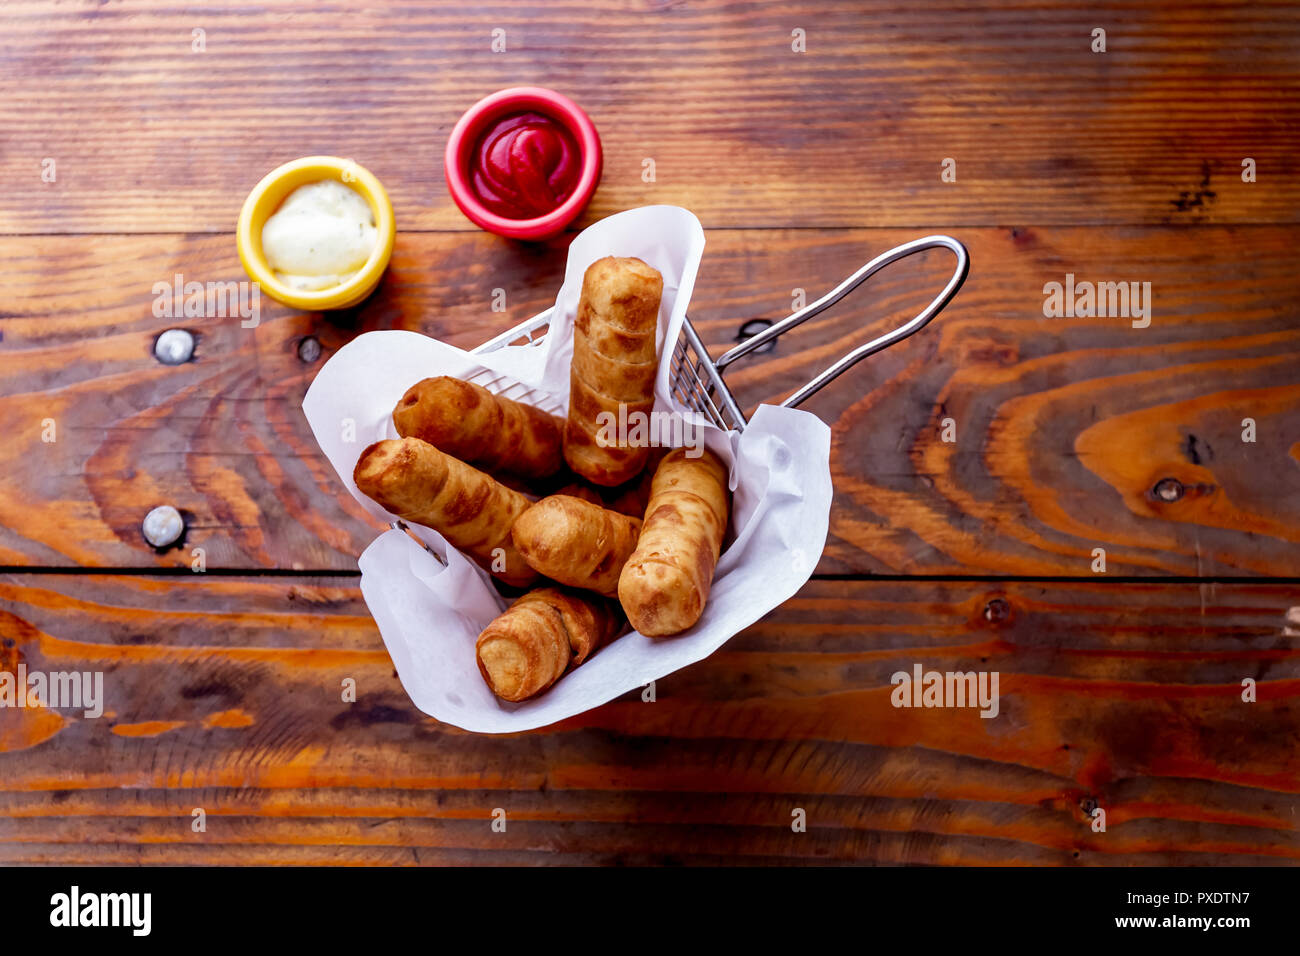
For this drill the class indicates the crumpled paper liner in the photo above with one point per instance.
(430, 615)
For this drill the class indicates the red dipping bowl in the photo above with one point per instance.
(522, 99)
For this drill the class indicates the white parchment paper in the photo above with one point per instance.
(430, 615)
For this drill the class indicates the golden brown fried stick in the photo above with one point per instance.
(614, 363)
(484, 430)
(632, 498)
(665, 584)
(576, 542)
(628, 499)
(543, 634)
(587, 493)
(473, 511)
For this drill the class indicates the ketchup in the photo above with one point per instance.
(524, 165)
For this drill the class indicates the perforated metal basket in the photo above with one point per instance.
(696, 378)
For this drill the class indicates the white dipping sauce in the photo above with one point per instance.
(320, 237)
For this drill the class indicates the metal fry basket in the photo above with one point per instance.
(696, 377)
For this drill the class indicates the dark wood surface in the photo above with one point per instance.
(1063, 427)
(1120, 690)
(156, 138)
(223, 695)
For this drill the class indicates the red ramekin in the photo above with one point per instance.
(520, 99)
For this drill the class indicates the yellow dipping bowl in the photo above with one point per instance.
(265, 199)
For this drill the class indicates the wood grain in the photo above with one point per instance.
(223, 690)
(149, 136)
(1063, 427)
(224, 694)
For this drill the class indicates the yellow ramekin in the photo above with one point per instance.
(266, 198)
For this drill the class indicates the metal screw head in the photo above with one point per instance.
(997, 610)
(309, 349)
(751, 328)
(1168, 489)
(174, 347)
(163, 526)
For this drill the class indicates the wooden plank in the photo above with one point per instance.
(224, 694)
(1063, 427)
(148, 135)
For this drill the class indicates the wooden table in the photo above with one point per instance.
(1120, 690)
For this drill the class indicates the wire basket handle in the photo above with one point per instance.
(844, 288)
